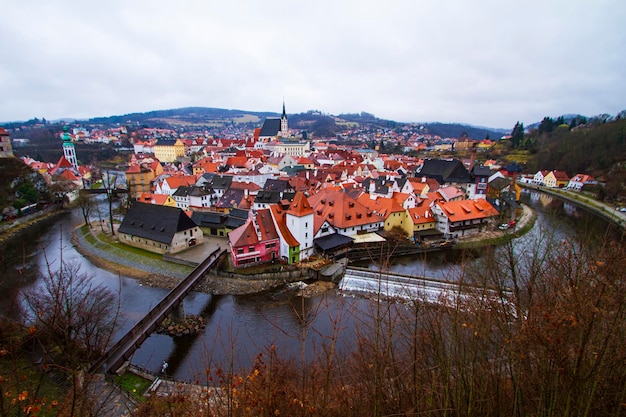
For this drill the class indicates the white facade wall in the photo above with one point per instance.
(302, 229)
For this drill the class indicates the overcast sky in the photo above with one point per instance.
(482, 62)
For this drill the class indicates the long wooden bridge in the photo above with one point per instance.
(123, 350)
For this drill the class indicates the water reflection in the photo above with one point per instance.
(240, 327)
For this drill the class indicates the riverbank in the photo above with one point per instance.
(606, 211)
(153, 272)
(523, 225)
(13, 228)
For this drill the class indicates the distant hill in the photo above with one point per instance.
(192, 116)
(313, 121)
(456, 130)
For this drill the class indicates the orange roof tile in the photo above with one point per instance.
(340, 210)
(300, 206)
(279, 216)
(467, 209)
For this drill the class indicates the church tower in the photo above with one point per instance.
(284, 127)
(68, 148)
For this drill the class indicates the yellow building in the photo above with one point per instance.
(419, 219)
(386, 208)
(168, 150)
(139, 177)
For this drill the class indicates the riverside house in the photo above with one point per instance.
(159, 229)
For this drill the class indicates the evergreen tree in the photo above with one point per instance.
(517, 135)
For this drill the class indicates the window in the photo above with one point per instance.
(239, 251)
(306, 224)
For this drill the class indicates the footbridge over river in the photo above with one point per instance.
(122, 351)
(411, 287)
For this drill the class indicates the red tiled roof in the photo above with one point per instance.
(382, 206)
(421, 215)
(244, 235)
(300, 206)
(279, 216)
(467, 209)
(340, 210)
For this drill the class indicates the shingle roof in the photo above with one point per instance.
(208, 219)
(155, 222)
(268, 197)
(445, 171)
(221, 181)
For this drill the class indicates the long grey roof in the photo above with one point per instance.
(155, 222)
(445, 171)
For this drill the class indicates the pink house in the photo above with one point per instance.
(256, 241)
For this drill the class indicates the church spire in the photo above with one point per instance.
(68, 148)
(284, 126)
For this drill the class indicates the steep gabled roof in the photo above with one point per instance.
(271, 127)
(279, 216)
(155, 222)
(244, 235)
(421, 215)
(300, 206)
(481, 171)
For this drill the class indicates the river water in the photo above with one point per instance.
(240, 327)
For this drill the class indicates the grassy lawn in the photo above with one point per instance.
(110, 244)
(134, 384)
(112, 240)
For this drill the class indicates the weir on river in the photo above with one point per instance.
(411, 287)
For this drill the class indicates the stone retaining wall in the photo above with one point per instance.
(300, 274)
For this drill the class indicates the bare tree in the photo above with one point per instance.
(74, 318)
(109, 182)
(87, 206)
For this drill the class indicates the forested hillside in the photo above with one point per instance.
(596, 149)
